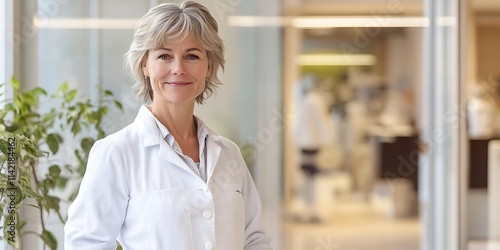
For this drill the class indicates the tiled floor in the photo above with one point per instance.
(353, 226)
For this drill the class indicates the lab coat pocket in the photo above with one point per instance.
(167, 219)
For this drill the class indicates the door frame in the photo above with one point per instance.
(444, 173)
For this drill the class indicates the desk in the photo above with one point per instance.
(478, 163)
(397, 157)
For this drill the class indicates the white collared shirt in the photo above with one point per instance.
(199, 168)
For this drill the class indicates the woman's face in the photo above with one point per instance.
(177, 71)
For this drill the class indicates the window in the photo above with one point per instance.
(6, 49)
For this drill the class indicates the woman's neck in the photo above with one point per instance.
(178, 119)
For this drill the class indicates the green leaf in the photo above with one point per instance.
(49, 239)
(31, 149)
(47, 185)
(102, 111)
(53, 140)
(69, 168)
(118, 105)
(100, 134)
(4, 146)
(29, 191)
(81, 169)
(16, 85)
(71, 95)
(54, 171)
(64, 87)
(62, 182)
(39, 91)
(75, 129)
(3, 112)
(52, 202)
(86, 144)
(108, 93)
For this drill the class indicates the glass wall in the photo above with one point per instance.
(363, 62)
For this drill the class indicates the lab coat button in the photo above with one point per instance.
(209, 245)
(207, 214)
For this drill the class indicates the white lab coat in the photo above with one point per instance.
(314, 127)
(138, 190)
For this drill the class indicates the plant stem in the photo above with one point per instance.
(42, 222)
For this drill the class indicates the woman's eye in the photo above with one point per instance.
(164, 57)
(192, 57)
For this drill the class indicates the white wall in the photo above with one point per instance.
(407, 68)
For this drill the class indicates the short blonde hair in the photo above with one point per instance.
(172, 23)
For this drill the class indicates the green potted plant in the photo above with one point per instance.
(28, 136)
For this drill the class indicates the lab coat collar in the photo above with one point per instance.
(213, 152)
(148, 133)
(213, 148)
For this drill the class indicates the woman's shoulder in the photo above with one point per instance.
(219, 139)
(227, 144)
(123, 137)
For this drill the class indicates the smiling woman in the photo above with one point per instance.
(167, 181)
(177, 73)
(156, 30)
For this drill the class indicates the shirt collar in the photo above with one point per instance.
(201, 131)
(149, 132)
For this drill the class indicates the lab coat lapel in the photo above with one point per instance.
(213, 153)
(150, 136)
(169, 155)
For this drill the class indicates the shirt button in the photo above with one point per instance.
(209, 245)
(207, 214)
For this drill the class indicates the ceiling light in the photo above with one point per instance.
(256, 21)
(321, 22)
(336, 60)
(50, 23)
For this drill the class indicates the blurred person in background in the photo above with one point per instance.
(313, 132)
(167, 181)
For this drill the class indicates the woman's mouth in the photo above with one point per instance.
(178, 84)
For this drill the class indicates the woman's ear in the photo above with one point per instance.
(144, 65)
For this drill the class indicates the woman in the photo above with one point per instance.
(167, 181)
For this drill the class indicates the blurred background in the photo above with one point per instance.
(399, 99)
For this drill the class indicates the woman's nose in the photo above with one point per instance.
(178, 67)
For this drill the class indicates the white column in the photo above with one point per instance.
(271, 120)
(441, 169)
(26, 70)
